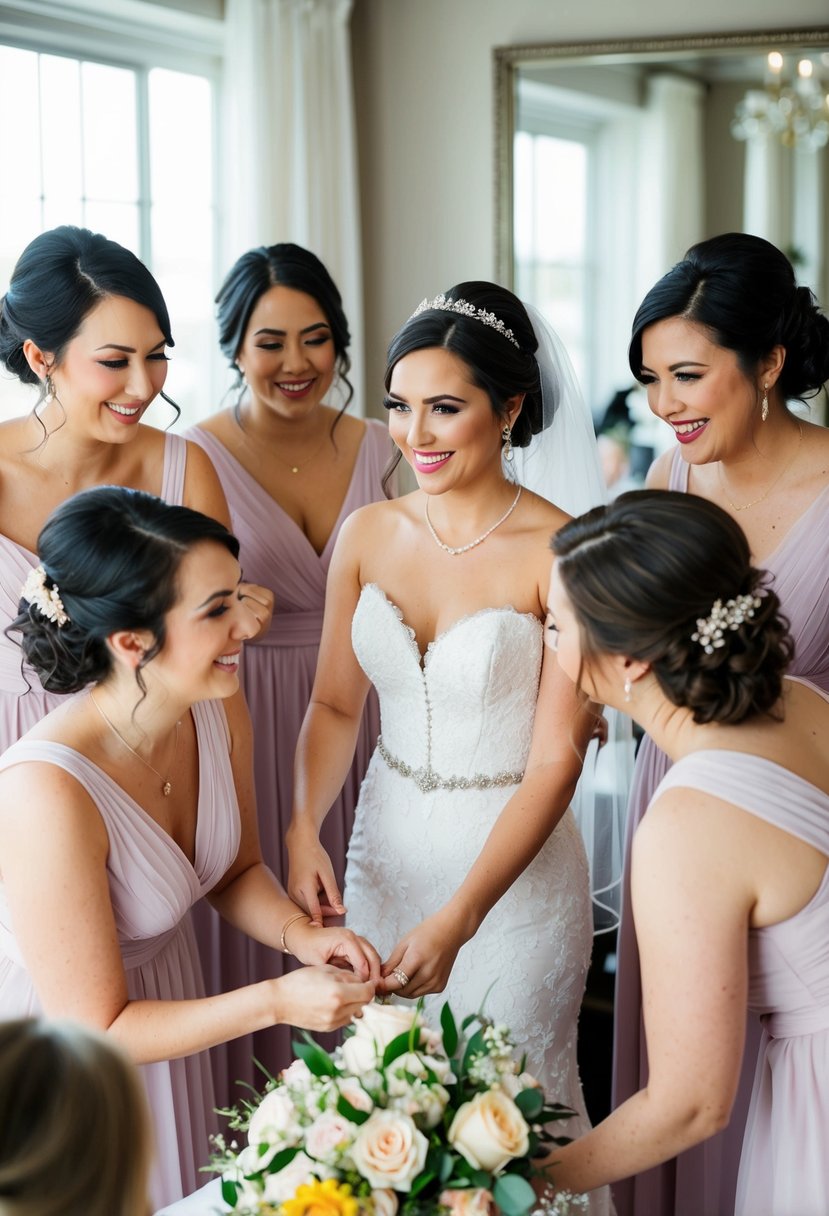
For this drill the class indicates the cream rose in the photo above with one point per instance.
(389, 1151)
(514, 1085)
(373, 1032)
(328, 1136)
(472, 1201)
(275, 1121)
(384, 1202)
(489, 1131)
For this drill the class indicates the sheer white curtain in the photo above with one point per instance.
(672, 174)
(290, 166)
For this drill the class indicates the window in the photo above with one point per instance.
(127, 150)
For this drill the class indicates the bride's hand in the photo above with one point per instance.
(421, 961)
(311, 881)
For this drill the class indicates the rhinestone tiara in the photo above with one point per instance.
(446, 304)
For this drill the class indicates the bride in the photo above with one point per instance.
(466, 867)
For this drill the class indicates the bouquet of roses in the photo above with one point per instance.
(401, 1117)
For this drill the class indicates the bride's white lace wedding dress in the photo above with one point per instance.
(456, 728)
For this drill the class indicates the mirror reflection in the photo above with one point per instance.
(612, 162)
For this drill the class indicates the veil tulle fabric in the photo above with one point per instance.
(562, 465)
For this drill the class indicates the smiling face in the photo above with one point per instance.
(205, 627)
(111, 371)
(700, 390)
(444, 424)
(287, 355)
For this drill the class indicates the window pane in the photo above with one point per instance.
(18, 91)
(60, 95)
(118, 221)
(109, 133)
(181, 164)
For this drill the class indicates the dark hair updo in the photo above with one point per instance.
(496, 364)
(640, 573)
(743, 291)
(283, 265)
(113, 554)
(59, 278)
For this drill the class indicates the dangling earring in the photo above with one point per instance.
(764, 407)
(506, 437)
(628, 687)
(49, 395)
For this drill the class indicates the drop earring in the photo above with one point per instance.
(628, 688)
(506, 437)
(49, 395)
(764, 406)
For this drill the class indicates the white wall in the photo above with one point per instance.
(423, 74)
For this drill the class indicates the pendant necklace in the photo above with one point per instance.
(480, 540)
(166, 784)
(768, 491)
(289, 464)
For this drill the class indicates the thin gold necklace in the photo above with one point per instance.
(166, 784)
(295, 468)
(769, 489)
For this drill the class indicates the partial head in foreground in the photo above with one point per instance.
(74, 1129)
(664, 580)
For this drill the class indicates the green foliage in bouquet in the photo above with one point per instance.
(401, 1118)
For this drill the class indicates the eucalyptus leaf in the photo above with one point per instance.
(513, 1195)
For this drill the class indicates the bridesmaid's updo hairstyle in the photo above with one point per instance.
(283, 265)
(641, 573)
(74, 1127)
(112, 556)
(743, 291)
(57, 281)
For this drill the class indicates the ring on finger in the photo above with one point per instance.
(400, 975)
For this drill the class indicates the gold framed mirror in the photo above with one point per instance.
(612, 158)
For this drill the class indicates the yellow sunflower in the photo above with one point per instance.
(329, 1198)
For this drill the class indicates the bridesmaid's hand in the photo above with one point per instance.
(311, 881)
(319, 998)
(421, 961)
(260, 601)
(341, 947)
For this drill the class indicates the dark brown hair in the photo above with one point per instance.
(643, 570)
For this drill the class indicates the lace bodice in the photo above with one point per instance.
(466, 708)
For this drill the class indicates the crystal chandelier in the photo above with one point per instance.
(797, 113)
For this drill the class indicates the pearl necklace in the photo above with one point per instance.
(768, 491)
(479, 541)
(166, 784)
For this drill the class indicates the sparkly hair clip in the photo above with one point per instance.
(46, 599)
(447, 304)
(730, 615)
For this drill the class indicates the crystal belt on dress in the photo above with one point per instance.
(426, 779)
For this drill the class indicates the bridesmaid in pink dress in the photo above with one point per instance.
(730, 883)
(85, 323)
(133, 799)
(722, 343)
(292, 469)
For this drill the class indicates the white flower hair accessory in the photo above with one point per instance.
(446, 304)
(711, 629)
(46, 599)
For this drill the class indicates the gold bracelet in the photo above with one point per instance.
(290, 921)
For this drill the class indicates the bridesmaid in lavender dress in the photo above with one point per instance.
(292, 469)
(85, 322)
(133, 799)
(730, 883)
(722, 343)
